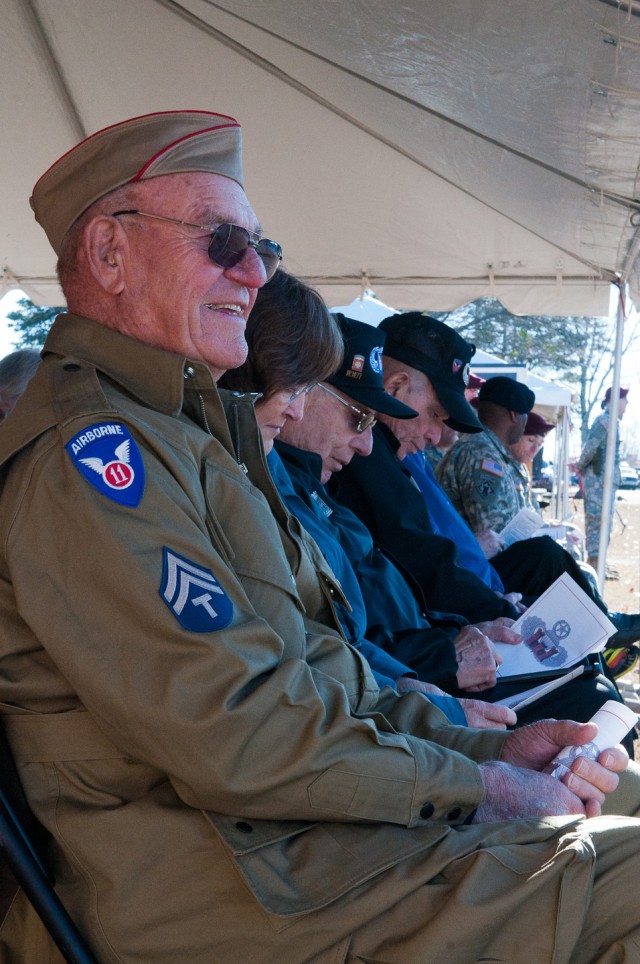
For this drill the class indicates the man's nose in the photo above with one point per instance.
(433, 433)
(362, 442)
(249, 271)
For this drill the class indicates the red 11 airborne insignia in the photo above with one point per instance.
(110, 460)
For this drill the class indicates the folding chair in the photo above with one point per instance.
(21, 842)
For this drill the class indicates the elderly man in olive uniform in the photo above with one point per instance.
(591, 467)
(483, 479)
(220, 775)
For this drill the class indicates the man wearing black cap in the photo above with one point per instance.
(447, 653)
(479, 474)
(422, 357)
(221, 778)
(426, 364)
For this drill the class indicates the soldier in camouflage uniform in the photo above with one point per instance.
(591, 467)
(528, 447)
(486, 484)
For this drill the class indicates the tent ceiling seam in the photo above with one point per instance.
(630, 8)
(372, 278)
(550, 279)
(37, 30)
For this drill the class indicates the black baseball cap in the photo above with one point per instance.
(430, 346)
(360, 375)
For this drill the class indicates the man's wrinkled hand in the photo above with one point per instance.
(536, 745)
(477, 658)
(513, 793)
(499, 631)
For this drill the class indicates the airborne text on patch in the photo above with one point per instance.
(93, 434)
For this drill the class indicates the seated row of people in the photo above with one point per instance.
(411, 595)
(220, 775)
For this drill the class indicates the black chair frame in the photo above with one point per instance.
(22, 842)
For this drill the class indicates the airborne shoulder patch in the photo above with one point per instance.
(193, 594)
(108, 457)
(494, 468)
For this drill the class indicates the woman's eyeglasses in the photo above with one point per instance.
(228, 243)
(299, 392)
(365, 419)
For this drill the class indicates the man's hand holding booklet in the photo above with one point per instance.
(560, 629)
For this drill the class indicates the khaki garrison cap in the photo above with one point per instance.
(170, 142)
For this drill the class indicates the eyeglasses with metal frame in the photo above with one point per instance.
(298, 392)
(228, 243)
(365, 419)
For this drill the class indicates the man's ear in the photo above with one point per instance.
(105, 246)
(397, 383)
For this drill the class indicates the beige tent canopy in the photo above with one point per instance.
(435, 150)
(438, 150)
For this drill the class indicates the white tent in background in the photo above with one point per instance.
(366, 308)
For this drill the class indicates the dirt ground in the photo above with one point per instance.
(623, 594)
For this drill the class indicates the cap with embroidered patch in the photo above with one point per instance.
(430, 346)
(360, 375)
(169, 142)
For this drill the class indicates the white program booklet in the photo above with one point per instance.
(522, 526)
(561, 627)
(520, 700)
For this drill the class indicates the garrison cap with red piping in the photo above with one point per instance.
(169, 142)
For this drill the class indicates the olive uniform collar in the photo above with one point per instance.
(151, 375)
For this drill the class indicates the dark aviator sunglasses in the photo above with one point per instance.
(228, 243)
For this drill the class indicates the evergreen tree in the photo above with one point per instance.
(31, 323)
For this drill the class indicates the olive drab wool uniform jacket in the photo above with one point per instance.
(220, 775)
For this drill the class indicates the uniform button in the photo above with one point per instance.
(426, 810)
(455, 814)
(189, 372)
(244, 827)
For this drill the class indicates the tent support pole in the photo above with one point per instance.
(608, 493)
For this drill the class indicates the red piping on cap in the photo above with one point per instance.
(205, 130)
(160, 113)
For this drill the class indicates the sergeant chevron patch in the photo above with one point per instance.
(194, 595)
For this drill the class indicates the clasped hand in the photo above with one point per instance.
(516, 787)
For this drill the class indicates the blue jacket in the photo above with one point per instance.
(386, 615)
(446, 522)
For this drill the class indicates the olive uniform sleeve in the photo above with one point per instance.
(235, 715)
